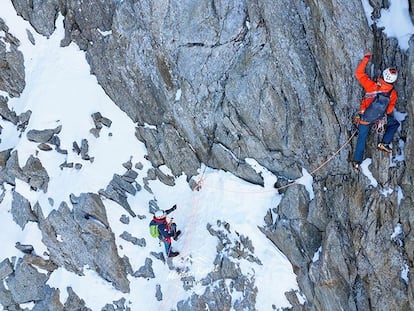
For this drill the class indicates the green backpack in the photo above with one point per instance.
(154, 231)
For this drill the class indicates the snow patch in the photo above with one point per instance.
(398, 231)
(400, 195)
(386, 191)
(396, 21)
(149, 126)
(105, 33)
(317, 254)
(178, 95)
(365, 170)
(405, 269)
(2, 38)
(307, 181)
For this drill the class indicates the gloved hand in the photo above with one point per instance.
(367, 54)
(174, 207)
(357, 119)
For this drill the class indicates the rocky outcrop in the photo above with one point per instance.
(217, 83)
(11, 63)
(32, 172)
(119, 187)
(81, 236)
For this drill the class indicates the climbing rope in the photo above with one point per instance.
(323, 164)
(186, 270)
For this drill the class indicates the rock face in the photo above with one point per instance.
(224, 81)
(82, 237)
(11, 64)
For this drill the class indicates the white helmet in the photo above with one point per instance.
(160, 214)
(390, 75)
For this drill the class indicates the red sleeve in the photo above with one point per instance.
(368, 84)
(393, 100)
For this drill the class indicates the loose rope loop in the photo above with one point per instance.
(201, 180)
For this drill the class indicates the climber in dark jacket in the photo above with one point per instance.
(167, 229)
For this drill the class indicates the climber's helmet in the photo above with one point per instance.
(160, 214)
(390, 75)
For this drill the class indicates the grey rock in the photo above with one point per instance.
(84, 149)
(119, 305)
(27, 249)
(116, 191)
(7, 300)
(42, 14)
(124, 219)
(12, 77)
(130, 175)
(108, 307)
(43, 136)
(81, 237)
(4, 156)
(36, 175)
(24, 120)
(100, 120)
(89, 207)
(44, 264)
(74, 303)
(123, 183)
(50, 302)
(139, 166)
(158, 292)
(27, 284)
(44, 147)
(21, 210)
(12, 170)
(30, 37)
(188, 282)
(6, 113)
(128, 237)
(95, 132)
(217, 298)
(66, 165)
(153, 206)
(164, 178)
(106, 122)
(96, 117)
(159, 256)
(141, 217)
(146, 270)
(5, 268)
(76, 148)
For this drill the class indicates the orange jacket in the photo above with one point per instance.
(373, 87)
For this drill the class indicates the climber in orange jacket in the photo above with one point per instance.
(378, 102)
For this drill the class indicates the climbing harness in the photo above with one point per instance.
(379, 125)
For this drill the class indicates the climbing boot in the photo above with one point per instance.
(384, 147)
(177, 233)
(173, 254)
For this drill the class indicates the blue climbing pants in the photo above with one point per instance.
(363, 130)
(167, 240)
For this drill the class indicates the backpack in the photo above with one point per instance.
(376, 110)
(153, 228)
